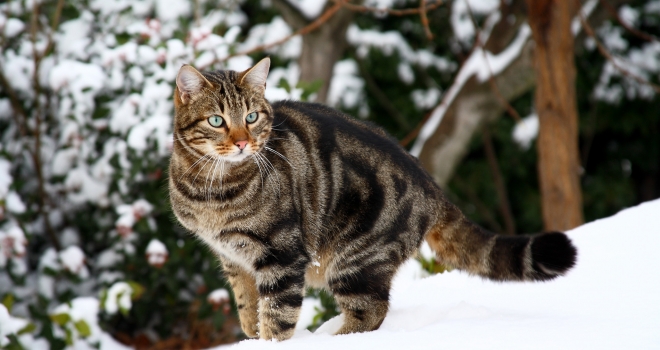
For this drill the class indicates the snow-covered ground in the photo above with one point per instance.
(610, 300)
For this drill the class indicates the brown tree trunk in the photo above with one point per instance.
(559, 166)
(322, 48)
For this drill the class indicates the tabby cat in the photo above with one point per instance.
(295, 194)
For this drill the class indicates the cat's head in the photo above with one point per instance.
(222, 114)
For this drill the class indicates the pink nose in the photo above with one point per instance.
(241, 144)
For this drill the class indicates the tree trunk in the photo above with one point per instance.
(322, 48)
(559, 167)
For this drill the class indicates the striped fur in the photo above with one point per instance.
(319, 199)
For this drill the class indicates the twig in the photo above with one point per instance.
(473, 198)
(603, 51)
(36, 154)
(500, 185)
(196, 12)
(16, 105)
(302, 31)
(392, 12)
(491, 78)
(413, 134)
(325, 16)
(3, 40)
(634, 31)
(382, 98)
(425, 19)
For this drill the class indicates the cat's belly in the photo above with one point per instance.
(236, 248)
(236, 255)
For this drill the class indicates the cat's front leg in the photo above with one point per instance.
(247, 297)
(280, 298)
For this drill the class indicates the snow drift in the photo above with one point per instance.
(610, 300)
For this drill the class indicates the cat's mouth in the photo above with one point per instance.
(238, 155)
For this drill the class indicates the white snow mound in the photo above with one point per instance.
(608, 301)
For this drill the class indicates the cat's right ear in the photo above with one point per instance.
(189, 82)
(255, 77)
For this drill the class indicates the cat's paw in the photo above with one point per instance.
(274, 333)
(250, 327)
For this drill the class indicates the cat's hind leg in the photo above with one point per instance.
(363, 297)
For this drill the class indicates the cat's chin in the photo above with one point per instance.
(237, 158)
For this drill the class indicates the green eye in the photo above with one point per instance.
(252, 117)
(216, 121)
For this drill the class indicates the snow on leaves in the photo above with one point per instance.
(156, 253)
(220, 298)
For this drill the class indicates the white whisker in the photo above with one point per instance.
(202, 168)
(282, 122)
(278, 138)
(206, 181)
(279, 155)
(261, 173)
(222, 173)
(197, 161)
(269, 166)
(215, 167)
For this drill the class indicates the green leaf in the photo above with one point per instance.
(60, 319)
(104, 298)
(69, 336)
(14, 344)
(29, 328)
(8, 301)
(283, 83)
(309, 88)
(83, 328)
(433, 267)
(124, 311)
(50, 272)
(137, 288)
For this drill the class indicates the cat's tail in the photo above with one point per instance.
(464, 245)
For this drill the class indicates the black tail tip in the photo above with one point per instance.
(552, 255)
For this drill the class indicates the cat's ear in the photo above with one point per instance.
(255, 77)
(189, 82)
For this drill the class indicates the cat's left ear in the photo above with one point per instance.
(190, 82)
(255, 77)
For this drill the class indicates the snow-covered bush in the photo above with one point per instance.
(87, 241)
(86, 236)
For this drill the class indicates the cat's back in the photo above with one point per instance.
(331, 132)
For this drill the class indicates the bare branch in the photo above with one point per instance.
(484, 211)
(638, 33)
(294, 16)
(603, 51)
(291, 14)
(500, 185)
(309, 28)
(392, 12)
(16, 105)
(383, 100)
(491, 78)
(413, 134)
(36, 154)
(425, 19)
